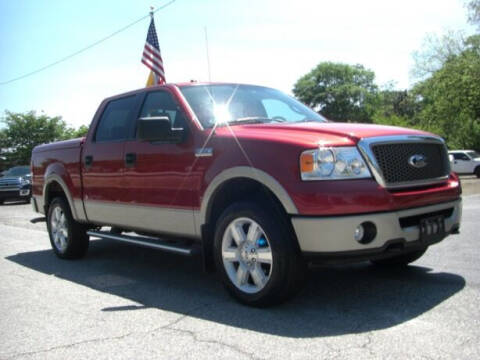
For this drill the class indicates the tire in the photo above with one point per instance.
(68, 238)
(262, 269)
(1, 201)
(400, 260)
(477, 171)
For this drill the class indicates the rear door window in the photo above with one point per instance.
(116, 120)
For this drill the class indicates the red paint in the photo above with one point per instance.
(170, 176)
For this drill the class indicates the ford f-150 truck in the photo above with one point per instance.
(256, 182)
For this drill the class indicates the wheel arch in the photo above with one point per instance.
(55, 186)
(247, 174)
(237, 184)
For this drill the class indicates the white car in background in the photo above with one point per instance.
(465, 162)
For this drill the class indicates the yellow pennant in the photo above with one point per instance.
(151, 79)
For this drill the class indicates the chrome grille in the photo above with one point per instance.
(389, 159)
(7, 183)
(393, 161)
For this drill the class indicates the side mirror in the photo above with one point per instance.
(158, 128)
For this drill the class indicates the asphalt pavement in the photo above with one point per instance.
(125, 302)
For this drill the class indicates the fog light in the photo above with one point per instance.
(365, 233)
(359, 232)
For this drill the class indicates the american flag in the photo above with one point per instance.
(152, 57)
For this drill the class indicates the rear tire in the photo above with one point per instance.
(400, 260)
(257, 256)
(68, 238)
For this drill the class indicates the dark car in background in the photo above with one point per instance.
(16, 184)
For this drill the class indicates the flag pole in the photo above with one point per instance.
(152, 8)
(152, 78)
(151, 56)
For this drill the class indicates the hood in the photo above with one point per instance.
(311, 133)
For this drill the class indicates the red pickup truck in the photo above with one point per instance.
(255, 181)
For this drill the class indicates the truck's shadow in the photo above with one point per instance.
(335, 301)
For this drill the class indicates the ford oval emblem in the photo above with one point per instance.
(417, 161)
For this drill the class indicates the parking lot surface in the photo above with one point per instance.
(125, 302)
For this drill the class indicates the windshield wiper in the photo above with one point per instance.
(310, 120)
(262, 118)
(251, 120)
(255, 119)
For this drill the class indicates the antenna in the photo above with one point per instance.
(208, 57)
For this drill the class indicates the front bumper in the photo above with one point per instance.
(333, 236)
(15, 193)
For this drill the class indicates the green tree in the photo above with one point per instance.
(473, 7)
(435, 51)
(396, 107)
(76, 133)
(450, 98)
(397, 102)
(341, 92)
(23, 131)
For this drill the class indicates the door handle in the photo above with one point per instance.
(130, 159)
(88, 160)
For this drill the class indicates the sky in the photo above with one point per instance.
(263, 42)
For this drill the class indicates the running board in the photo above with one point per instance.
(149, 242)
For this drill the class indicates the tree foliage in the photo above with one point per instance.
(446, 103)
(435, 51)
(23, 131)
(473, 7)
(341, 92)
(76, 133)
(450, 98)
(396, 107)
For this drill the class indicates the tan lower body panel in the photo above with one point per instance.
(335, 234)
(145, 218)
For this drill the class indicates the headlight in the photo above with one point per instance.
(333, 163)
(24, 181)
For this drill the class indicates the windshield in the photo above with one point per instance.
(473, 154)
(231, 104)
(17, 171)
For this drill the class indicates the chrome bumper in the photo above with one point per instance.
(335, 234)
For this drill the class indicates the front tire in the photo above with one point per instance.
(256, 255)
(400, 260)
(477, 171)
(68, 238)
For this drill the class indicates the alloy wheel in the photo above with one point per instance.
(247, 255)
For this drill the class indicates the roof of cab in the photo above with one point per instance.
(172, 85)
